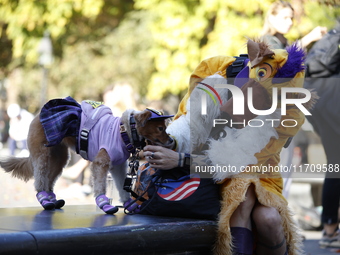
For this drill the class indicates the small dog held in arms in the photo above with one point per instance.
(92, 131)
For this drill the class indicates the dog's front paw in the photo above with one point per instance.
(110, 209)
(103, 203)
(57, 203)
(43, 198)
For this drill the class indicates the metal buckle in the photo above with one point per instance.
(84, 134)
(122, 129)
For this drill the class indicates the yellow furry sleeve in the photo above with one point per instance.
(206, 68)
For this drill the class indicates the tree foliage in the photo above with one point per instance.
(186, 32)
(153, 44)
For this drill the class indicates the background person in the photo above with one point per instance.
(19, 123)
(279, 21)
(323, 75)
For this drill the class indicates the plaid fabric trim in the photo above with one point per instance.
(60, 118)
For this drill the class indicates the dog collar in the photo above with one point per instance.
(136, 143)
(85, 132)
(129, 146)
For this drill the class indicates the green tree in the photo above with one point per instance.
(186, 32)
(70, 23)
(153, 44)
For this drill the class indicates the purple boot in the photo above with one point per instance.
(103, 203)
(132, 206)
(43, 198)
(242, 240)
(58, 203)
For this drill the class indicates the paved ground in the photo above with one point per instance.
(300, 197)
(16, 193)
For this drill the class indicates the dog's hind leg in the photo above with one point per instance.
(100, 167)
(48, 165)
(59, 156)
(47, 168)
(41, 178)
(118, 173)
(40, 160)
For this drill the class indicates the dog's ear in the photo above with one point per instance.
(142, 117)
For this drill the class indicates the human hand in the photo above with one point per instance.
(161, 158)
(316, 34)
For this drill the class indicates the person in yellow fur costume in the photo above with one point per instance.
(255, 217)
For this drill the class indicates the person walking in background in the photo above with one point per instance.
(19, 123)
(323, 75)
(4, 128)
(278, 22)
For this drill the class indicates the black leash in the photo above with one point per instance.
(131, 174)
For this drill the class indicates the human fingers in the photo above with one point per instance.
(149, 154)
(152, 148)
(319, 32)
(149, 151)
(324, 30)
(163, 163)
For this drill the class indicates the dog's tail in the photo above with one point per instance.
(19, 167)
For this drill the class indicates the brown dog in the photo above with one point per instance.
(92, 131)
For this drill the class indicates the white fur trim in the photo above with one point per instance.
(180, 130)
(239, 146)
(193, 129)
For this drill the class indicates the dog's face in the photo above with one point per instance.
(153, 130)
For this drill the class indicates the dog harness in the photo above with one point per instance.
(92, 124)
(99, 129)
(94, 127)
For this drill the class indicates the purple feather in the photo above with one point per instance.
(293, 65)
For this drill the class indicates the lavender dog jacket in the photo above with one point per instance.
(104, 134)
